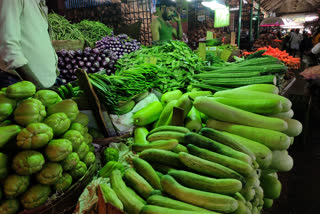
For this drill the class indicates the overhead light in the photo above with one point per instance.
(214, 4)
(234, 8)
(245, 1)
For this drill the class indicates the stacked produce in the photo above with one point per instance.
(119, 92)
(228, 166)
(89, 31)
(290, 61)
(176, 62)
(101, 58)
(44, 146)
(90, 60)
(68, 91)
(267, 40)
(118, 45)
(255, 70)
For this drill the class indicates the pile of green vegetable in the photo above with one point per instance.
(263, 70)
(44, 146)
(176, 61)
(228, 165)
(89, 31)
(117, 91)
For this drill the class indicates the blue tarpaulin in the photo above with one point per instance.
(70, 4)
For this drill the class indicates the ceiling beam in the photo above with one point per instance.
(312, 2)
(273, 5)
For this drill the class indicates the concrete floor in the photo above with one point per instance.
(301, 186)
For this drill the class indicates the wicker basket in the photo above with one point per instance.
(68, 44)
(65, 203)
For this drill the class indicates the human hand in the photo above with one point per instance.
(176, 18)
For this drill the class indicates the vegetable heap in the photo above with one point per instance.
(290, 61)
(177, 63)
(254, 70)
(44, 146)
(101, 58)
(230, 165)
(116, 90)
(89, 31)
(90, 60)
(93, 31)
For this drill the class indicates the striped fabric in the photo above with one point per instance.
(70, 4)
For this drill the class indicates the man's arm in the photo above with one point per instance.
(10, 34)
(155, 30)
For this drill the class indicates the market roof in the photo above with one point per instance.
(281, 7)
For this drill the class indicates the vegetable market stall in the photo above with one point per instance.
(45, 148)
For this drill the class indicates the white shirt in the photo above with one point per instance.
(24, 39)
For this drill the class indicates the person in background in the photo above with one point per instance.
(26, 52)
(295, 39)
(305, 45)
(161, 28)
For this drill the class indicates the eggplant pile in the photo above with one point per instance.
(118, 45)
(90, 59)
(103, 57)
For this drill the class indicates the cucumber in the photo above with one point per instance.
(288, 114)
(230, 114)
(242, 208)
(281, 161)
(131, 203)
(125, 108)
(239, 197)
(200, 182)
(166, 135)
(252, 95)
(148, 114)
(224, 138)
(180, 129)
(294, 127)
(231, 163)
(258, 106)
(267, 203)
(207, 143)
(169, 96)
(267, 88)
(272, 139)
(158, 144)
(151, 209)
(193, 121)
(248, 192)
(207, 167)
(110, 196)
(161, 201)
(137, 182)
(141, 96)
(261, 153)
(166, 114)
(184, 103)
(271, 186)
(193, 95)
(180, 148)
(161, 157)
(156, 192)
(140, 135)
(162, 168)
(291, 140)
(147, 172)
(210, 201)
(136, 195)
